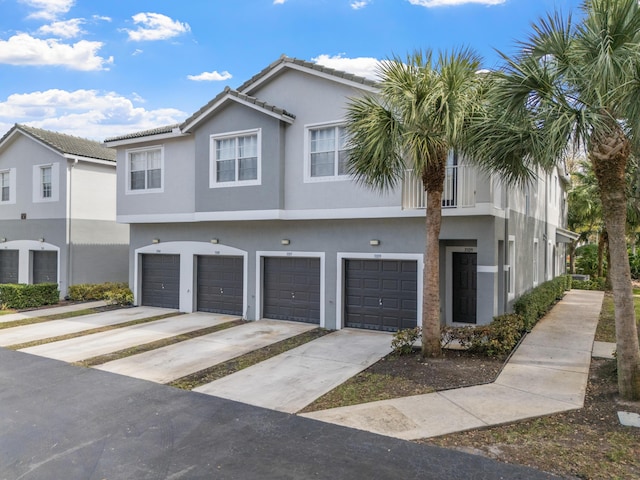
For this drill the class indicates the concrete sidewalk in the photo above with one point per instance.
(174, 361)
(54, 328)
(44, 312)
(290, 381)
(88, 346)
(547, 374)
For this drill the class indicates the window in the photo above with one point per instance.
(5, 184)
(327, 149)
(145, 170)
(46, 180)
(235, 159)
(536, 253)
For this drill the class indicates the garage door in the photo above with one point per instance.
(219, 284)
(381, 294)
(292, 289)
(9, 266)
(161, 280)
(45, 267)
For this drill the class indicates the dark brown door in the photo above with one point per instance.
(9, 266)
(464, 287)
(381, 294)
(45, 267)
(292, 289)
(161, 280)
(220, 284)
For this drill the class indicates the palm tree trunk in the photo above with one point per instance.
(601, 243)
(609, 157)
(433, 181)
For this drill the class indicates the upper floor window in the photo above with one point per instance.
(5, 185)
(235, 159)
(46, 184)
(145, 170)
(327, 153)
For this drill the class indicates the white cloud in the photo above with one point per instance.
(279, 2)
(447, 3)
(210, 76)
(155, 26)
(64, 29)
(49, 9)
(362, 66)
(84, 113)
(23, 49)
(359, 4)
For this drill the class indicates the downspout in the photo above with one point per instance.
(69, 223)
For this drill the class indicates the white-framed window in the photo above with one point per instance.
(326, 152)
(145, 170)
(46, 183)
(235, 159)
(511, 277)
(536, 264)
(8, 186)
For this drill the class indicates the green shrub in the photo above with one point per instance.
(497, 339)
(534, 304)
(597, 283)
(587, 259)
(28, 296)
(113, 293)
(403, 340)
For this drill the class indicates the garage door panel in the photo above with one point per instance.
(9, 266)
(161, 280)
(292, 289)
(220, 284)
(381, 294)
(45, 267)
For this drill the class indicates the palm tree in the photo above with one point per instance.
(413, 123)
(576, 82)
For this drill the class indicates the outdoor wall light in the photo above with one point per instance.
(41, 240)
(374, 242)
(155, 240)
(2, 240)
(285, 241)
(214, 241)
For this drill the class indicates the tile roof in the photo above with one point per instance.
(240, 96)
(145, 133)
(313, 66)
(66, 144)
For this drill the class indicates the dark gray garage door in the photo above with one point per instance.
(381, 294)
(161, 280)
(9, 266)
(45, 267)
(220, 284)
(292, 289)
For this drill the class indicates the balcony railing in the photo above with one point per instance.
(459, 189)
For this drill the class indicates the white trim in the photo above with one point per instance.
(536, 262)
(12, 186)
(307, 153)
(511, 252)
(341, 256)
(487, 268)
(188, 251)
(144, 191)
(37, 183)
(24, 248)
(261, 254)
(213, 183)
(76, 158)
(448, 309)
(176, 133)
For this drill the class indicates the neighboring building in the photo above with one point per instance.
(57, 210)
(245, 208)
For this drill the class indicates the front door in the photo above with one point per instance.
(464, 287)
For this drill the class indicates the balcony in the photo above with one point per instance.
(459, 189)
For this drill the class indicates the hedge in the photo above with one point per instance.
(14, 295)
(533, 305)
(113, 293)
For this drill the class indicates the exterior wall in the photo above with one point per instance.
(177, 198)
(93, 188)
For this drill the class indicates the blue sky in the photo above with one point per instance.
(102, 68)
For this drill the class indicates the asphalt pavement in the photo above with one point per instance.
(59, 421)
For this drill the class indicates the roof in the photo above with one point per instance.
(145, 133)
(293, 62)
(234, 94)
(65, 144)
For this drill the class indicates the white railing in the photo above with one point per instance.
(459, 189)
